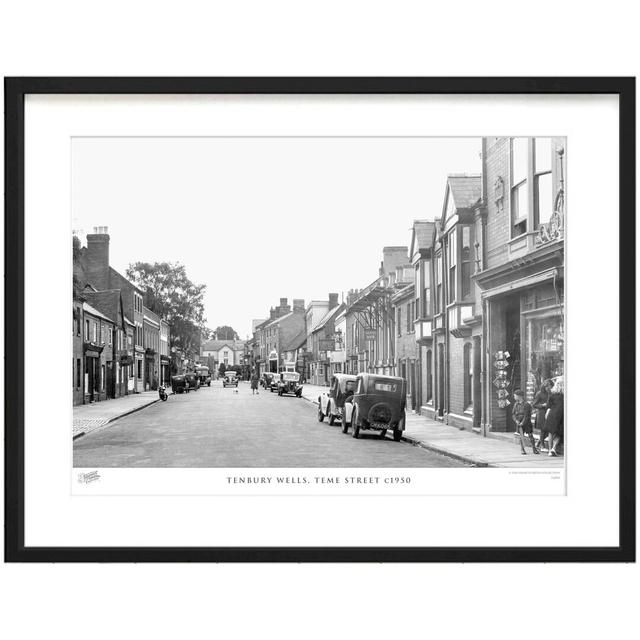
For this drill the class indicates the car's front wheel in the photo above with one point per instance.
(320, 414)
(354, 423)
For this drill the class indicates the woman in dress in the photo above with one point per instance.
(555, 415)
(540, 404)
(255, 378)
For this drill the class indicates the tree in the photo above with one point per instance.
(226, 333)
(78, 272)
(169, 293)
(222, 369)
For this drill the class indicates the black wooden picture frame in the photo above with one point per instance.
(15, 91)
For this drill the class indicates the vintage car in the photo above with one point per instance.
(289, 382)
(230, 379)
(204, 375)
(273, 382)
(178, 384)
(192, 380)
(266, 379)
(378, 404)
(331, 403)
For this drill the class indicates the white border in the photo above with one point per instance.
(53, 517)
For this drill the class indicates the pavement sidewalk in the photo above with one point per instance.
(89, 417)
(472, 448)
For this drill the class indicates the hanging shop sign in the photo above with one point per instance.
(370, 334)
(501, 383)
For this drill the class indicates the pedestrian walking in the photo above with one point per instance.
(540, 404)
(555, 415)
(255, 378)
(521, 415)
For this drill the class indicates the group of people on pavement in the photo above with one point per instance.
(549, 406)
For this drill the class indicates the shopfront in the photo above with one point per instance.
(94, 377)
(526, 345)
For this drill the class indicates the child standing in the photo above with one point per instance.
(521, 414)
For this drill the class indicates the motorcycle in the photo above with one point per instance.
(162, 392)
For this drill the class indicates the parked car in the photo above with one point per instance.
(204, 375)
(192, 381)
(289, 382)
(230, 379)
(265, 381)
(178, 384)
(378, 404)
(273, 382)
(331, 403)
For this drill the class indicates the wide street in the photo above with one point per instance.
(219, 427)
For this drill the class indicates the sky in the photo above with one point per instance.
(259, 219)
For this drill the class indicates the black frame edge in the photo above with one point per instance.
(15, 90)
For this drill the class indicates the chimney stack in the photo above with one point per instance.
(284, 308)
(298, 305)
(393, 257)
(96, 258)
(333, 300)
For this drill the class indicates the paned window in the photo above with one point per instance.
(453, 259)
(543, 190)
(519, 185)
(465, 263)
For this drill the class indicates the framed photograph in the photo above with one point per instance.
(320, 319)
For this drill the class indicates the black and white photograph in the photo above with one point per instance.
(319, 302)
(311, 310)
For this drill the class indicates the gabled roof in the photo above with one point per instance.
(216, 345)
(277, 320)
(94, 312)
(120, 280)
(330, 314)
(465, 189)
(107, 303)
(422, 237)
(296, 342)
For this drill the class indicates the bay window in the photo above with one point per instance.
(439, 301)
(425, 268)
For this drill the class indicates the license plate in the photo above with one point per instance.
(379, 425)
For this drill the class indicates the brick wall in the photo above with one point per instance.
(456, 375)
(496, 165)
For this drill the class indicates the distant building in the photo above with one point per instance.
(323, 343)
(227, 352)
(277, 334)
(165, 353)
(151, 343)
(370, 316)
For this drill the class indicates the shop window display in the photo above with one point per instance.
(544, 351)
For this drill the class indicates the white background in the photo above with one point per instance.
(400, 38)
(53, 517)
